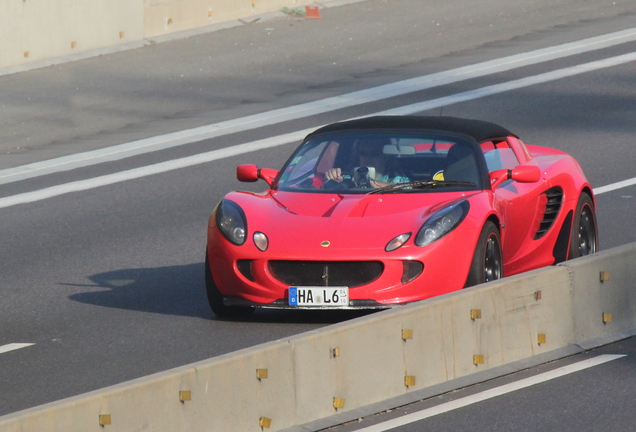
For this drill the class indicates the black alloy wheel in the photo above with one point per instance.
(487, 263)
(584, 238)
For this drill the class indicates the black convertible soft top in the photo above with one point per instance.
(478, 129)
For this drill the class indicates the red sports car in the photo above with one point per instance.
(382, 211)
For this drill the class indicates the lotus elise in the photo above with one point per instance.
(382, 211)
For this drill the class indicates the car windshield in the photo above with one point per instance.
(382, 163)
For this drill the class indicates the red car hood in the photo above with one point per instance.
(297, 221)
(357, 206)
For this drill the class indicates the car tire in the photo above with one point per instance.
(215, 298)
(584, 235)
(487, 263)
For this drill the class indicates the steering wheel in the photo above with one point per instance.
(346, 183)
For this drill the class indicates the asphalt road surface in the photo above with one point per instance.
(102, 272)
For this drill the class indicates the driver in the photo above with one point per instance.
(370, 155)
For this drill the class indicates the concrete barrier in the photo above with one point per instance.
(346, 370)
(604, 310)
(37, 33)
(164, 17)
(35, 30)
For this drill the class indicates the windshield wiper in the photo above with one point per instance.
(429, 184)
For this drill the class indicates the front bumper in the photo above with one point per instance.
(246, 276)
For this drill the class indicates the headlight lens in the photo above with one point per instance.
(231, 221)
(441, 223)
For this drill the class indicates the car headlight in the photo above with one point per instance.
(231, 221)
(441, 223)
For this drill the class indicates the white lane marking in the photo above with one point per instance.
(197, 159)
(13, 347)
(489, 394)
(162, 167)
(615, 186)
(308, 109)
(512, 85)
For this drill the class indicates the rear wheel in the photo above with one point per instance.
(487, 264)
(584, 237)
(215, 298)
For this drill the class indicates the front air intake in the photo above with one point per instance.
(326, 273)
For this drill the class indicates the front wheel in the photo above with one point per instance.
(215, 298)
(487, 263)
(584, 237)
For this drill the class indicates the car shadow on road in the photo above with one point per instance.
(170, 290)
(180, 290)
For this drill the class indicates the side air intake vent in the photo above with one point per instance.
(553, 201)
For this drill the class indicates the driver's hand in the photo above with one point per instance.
(334, 174)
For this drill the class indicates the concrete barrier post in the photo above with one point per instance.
(604, 293)
(488, 326)
(347, 366)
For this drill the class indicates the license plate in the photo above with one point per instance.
(319, 296)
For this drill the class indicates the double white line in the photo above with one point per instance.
(347, 100)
